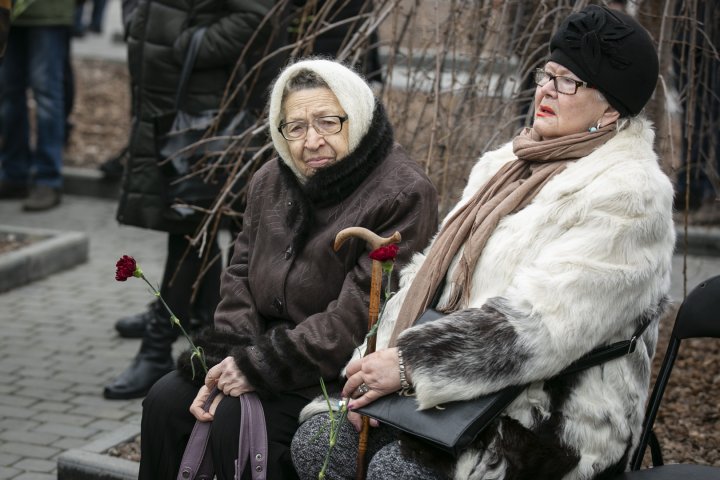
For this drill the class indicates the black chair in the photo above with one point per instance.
(698, 316)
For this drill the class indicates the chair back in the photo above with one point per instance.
(699, 314)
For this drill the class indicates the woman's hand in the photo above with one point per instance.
(372, 377)
(196, 407)
(228, 378)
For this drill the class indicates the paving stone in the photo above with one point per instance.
(18, 424)
(29, 451)
(37, 372)
(7, 459)
(64, 430)
(67, 443)
(15, 412)
(41, 383)
(45, 394)
(15, 401)
(64, 418)
(107, 425)
(36, 465)
(35, 438)
(7, 473)
(50, 406)
(100, 412)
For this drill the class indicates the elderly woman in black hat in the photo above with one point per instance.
(562, 243)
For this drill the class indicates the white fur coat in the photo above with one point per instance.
(581, 266)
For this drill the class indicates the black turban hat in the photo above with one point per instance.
(612, 52)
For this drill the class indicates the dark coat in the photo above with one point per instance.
(158, 38)
(292, 309)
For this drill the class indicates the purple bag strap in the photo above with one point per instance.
(253, 438)
(195, 464)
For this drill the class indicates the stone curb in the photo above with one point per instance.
(58, 251)
(701, 241)
(91, 462)
(89, 182)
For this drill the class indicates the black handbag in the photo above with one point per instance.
(451, 427)
(181, 143)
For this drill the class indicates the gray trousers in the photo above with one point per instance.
(310, 445)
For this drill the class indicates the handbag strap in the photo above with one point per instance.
(188, 65)
(195, 463)
(607, 353)
(252, 447)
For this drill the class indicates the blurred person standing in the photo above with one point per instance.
(159, 34)
(96, 18)
(35, 58)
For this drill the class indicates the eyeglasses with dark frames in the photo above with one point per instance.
(325, 125)
(564, 85)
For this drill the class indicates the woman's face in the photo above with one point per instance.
(315, 151)
(558, 114)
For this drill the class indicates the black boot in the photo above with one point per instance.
(152, 362)
(133, 326)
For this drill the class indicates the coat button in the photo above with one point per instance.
(186, 473)
(258, 468)
(258, 456)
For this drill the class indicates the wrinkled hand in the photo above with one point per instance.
(380, 371)
(196, 408)
(228, 378)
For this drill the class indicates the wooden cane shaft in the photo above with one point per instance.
(373, 311)
(361, 467)
(374, 308)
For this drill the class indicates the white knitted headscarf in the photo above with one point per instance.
(351, 90)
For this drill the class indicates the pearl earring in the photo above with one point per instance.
(595, 129)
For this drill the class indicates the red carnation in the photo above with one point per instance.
(384, 254)
(126, 268)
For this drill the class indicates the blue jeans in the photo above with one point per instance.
(35, 58)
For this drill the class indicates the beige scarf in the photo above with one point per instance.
(509, 190)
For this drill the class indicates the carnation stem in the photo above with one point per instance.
(196, 351)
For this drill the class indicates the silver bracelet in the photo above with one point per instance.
(405, 387)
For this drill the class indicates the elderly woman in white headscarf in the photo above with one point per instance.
(562, 243)
(292, 309)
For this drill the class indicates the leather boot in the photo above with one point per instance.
(133, 326)
(152, 362)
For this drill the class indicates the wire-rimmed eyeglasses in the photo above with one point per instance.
(326, 125)
(564, 85)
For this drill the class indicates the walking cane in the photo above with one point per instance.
(375, 242)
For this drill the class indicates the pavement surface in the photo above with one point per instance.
(58, 347)
(58, 344)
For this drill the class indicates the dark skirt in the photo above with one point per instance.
(167, 423)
